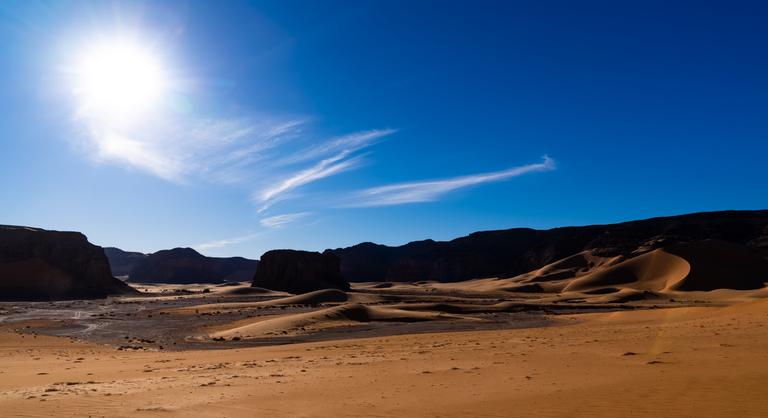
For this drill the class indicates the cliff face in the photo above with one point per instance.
(511, 252)
(299, 271)
(185, 265)
(36, 264)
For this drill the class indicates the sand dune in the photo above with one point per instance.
(384, 285)
(354, 314)
(568, 268)
(550, 278)
(248, 290)
(650, 271)
(626, 295)
(313, 298)
(347, 314)
(710, 272)
(318, 297)
(701, 266)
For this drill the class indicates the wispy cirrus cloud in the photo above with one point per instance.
(325, 168)
(242, 154)
(278, 221)
(338, 155)
(211, 245)
(235, 151)
(427, 191)
(112, 147)
(181, 148)
(346, 143)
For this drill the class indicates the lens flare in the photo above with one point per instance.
(119, 81)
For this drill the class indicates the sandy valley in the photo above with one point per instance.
(430, 209)
(661, 317)
(702, 354)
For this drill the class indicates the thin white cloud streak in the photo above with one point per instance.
(349, 143)
(278, 221)
(427, 191)
(225, 242)
(343, 159)
(325, 168)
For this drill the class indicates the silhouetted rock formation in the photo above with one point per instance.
(122, 262)
(299, 271)
(185, 265)
(711, 261)
(511, 252)
(36, 264)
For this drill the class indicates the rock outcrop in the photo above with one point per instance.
(299, 271)
(185, 265)
(36, 264)
(508, 253)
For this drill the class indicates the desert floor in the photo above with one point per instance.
(669, 361)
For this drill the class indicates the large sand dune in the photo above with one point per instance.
(698, 266)
(705, 265)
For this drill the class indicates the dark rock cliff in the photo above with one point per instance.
(299, 271)
(36, 264)
(510, 252)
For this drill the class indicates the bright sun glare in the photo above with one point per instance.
(119, 80)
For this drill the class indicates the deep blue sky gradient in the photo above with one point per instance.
(648, 108)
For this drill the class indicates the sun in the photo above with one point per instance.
(119, 80)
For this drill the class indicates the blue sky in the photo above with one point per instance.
(312, 125)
